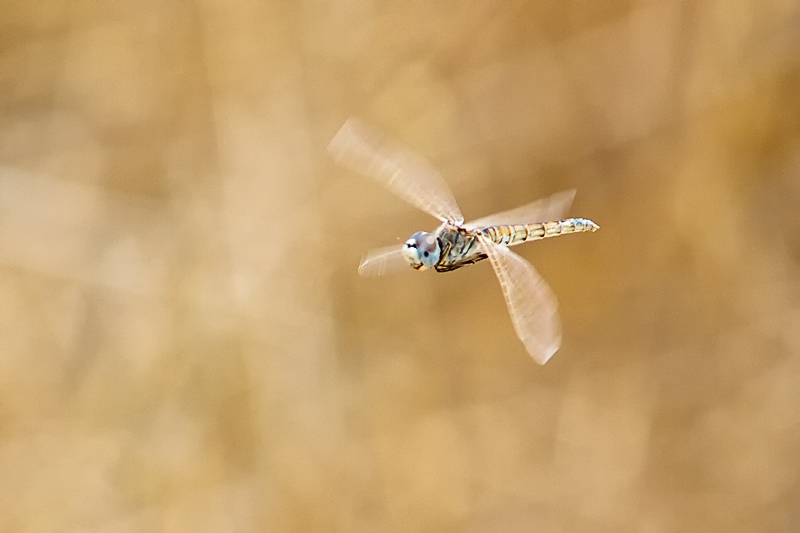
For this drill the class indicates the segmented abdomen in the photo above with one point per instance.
(512, 234)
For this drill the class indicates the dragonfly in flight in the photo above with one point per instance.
(454, 244)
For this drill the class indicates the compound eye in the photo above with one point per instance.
(412, 254)
(428, 248)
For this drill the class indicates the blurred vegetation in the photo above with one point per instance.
(185, 344)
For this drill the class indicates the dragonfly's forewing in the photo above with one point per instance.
(531, 303)
(408, 175)
(551, 208)
(383, 261)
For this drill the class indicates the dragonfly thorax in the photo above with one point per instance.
(422, 250)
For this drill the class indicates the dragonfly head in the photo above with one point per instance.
(422, 250)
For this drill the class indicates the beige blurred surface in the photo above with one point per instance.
(185, 344)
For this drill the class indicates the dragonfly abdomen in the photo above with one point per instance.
(511, 234)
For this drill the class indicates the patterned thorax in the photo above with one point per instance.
(459, 247)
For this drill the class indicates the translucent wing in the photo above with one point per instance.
(551, 208)
(383, 261)
(531, 303)
(408, 175)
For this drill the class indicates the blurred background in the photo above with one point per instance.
(185, 344)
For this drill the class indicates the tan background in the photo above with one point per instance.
(185, 344)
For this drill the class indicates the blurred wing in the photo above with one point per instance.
(408, 175)
(551, 208)
(531, 303)
(383, 261)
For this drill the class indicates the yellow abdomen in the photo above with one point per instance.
(512, 234)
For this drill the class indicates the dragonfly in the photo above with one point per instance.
(531, 302)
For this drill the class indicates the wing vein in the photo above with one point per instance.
(553, 207)
(531, 303)
(408, 175)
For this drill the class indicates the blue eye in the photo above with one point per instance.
(422, 250)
